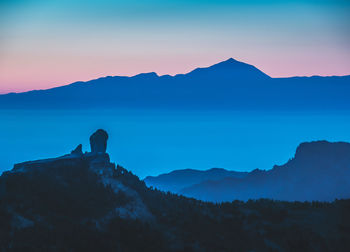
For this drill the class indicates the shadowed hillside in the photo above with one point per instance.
(82, 202)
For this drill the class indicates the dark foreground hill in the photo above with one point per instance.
(320, 171)
(227, 85)
(82, 202)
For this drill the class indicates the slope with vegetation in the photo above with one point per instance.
(82, 202)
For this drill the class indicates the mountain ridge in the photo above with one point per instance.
(230, 84)
(174, 181)
(155, 74)
(318, 171)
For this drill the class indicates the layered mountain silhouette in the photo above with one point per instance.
(319, 171)
(177, 180)
(227, 85)
(83, 202)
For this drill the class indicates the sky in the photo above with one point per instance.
(45, 44)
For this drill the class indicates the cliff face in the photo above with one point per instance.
(320, 170)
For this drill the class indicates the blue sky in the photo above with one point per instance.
(50, 43)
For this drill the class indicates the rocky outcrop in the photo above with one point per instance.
(98, 141)
(96, 162)
(78, 151)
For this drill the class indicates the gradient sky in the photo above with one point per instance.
(51, 43)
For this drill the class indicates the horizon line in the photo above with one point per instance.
(171, 75)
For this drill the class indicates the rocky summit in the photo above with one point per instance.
(98, 162)
(84, 202)
(98, 141)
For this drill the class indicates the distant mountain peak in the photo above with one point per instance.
(230, 61)
(230, 69)
(230, 84)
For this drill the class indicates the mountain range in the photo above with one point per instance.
(83, 202)
(178, 180)
(227, 85)
(319, 170)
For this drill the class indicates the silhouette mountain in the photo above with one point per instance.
(227, 85)
(230, 69)
(319, 171)
(176, 180)
(83, 202)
